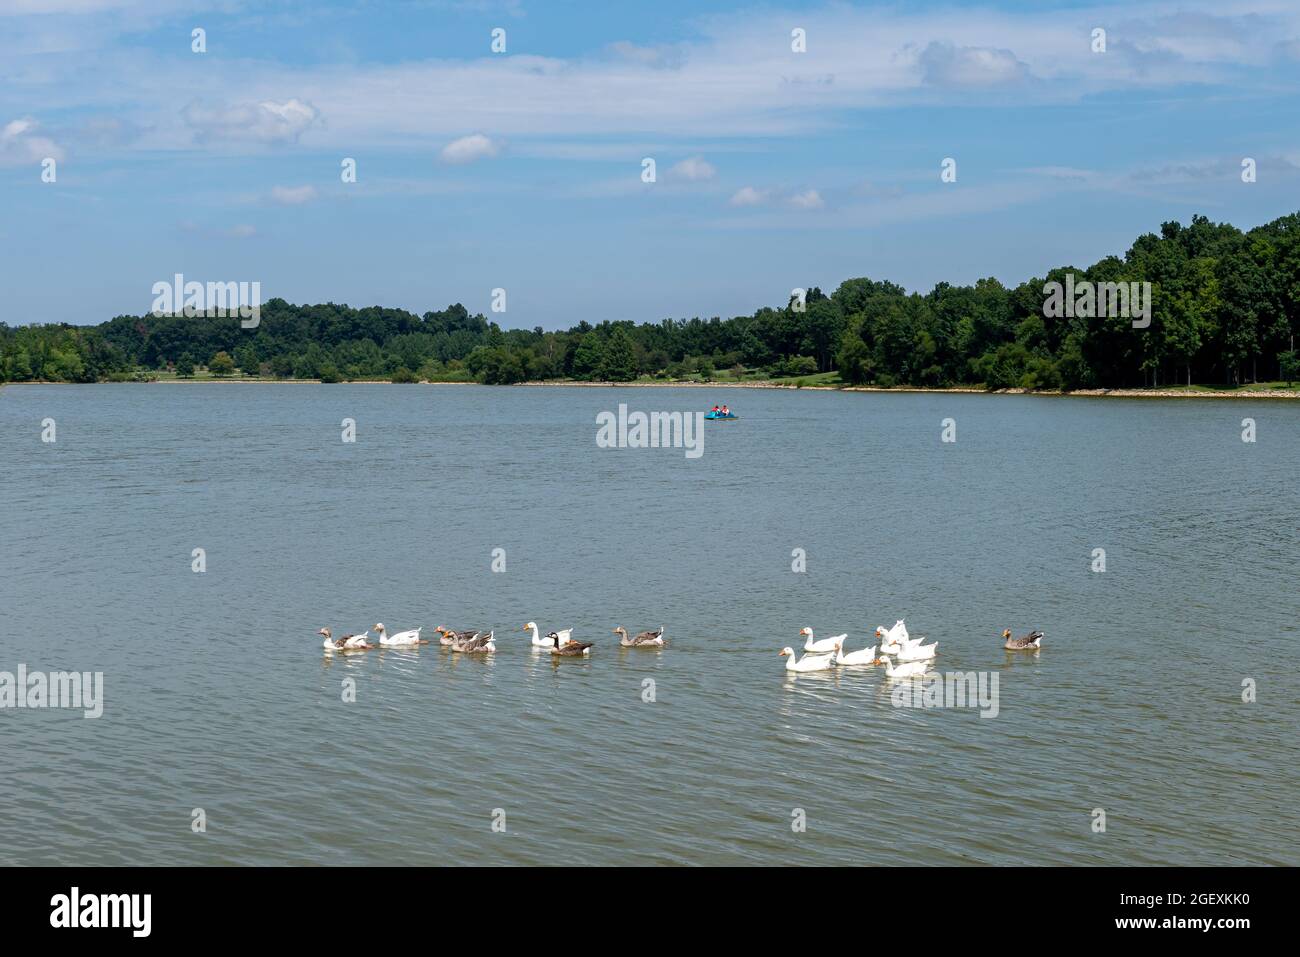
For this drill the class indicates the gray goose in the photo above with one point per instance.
(1029, 641)
(646, 639)
(448, 637)
(476, 643)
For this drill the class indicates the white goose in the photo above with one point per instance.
(824, 647)
(895, 640)
(546, 641)
(909, 669)
(401, 638)
(864, 656)
(807, 662)
(918, 651)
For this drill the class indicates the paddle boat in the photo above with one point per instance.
(720, 415)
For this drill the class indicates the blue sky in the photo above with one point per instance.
(522, 170)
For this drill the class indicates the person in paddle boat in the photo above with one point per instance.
(714, 410)
(726, 411)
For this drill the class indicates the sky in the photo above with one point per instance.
(523, 170)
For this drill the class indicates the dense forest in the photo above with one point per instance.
(1225, 308)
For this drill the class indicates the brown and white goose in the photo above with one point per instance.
(569, 649)
(646, 639)
(1030, 641)
(347, 642)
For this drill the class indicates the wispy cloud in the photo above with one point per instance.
(467, 149)
(731, 78)
(20, 143)
(693, 169)
(293, 195)
(749, 196)
(268, 122)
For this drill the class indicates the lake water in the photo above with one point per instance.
(217, 694)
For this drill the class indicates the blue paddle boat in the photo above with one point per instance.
(719, 415)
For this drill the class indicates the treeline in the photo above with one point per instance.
(1224, 309)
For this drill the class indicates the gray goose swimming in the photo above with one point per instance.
(474, 644)
(646, 639)
(448, 637)
(1029, 641)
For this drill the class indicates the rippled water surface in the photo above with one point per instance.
(219, 697)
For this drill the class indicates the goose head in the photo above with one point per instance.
(325, 632)
(378, 628)
(1006, 632)
(805, 632)
(531, 626)
(880, 631)
(785, 652)
(620, 630)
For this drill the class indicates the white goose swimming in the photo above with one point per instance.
(918, 651)
(909, 669)
(546, 641)
(824, 647)
(401, 638)
(807, 662)
(896, 640)
(864, 656)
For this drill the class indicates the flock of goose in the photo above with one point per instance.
(559, 643)
(912, 654)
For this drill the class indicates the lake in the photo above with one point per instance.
(217, 694)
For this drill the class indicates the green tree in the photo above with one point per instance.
(221, 364)
(589, 356)
(185, 366)
(854, 360)
(618, 363)
(1289, 364)
(246, 358)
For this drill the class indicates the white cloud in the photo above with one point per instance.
(728, 80)
(694, 169)
(749, 196)
(293, 195)
(20, 144)
(467, 149)
(808, 199)
(943, 64)
(265, 122)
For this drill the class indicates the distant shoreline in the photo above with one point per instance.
(1128, 393)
